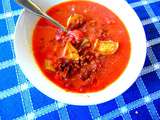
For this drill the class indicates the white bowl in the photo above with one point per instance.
(25, 58)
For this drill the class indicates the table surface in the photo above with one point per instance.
(20, 100)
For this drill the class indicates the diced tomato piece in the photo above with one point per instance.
(60, 35)
(77, 35)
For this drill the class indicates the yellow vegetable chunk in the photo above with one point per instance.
(106, 47)
(75, 21)
(49, 66)
(70, 52)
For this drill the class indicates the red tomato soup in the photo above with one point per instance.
(90, 56)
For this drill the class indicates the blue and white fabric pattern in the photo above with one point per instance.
(18, 97)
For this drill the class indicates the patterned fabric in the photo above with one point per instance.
(20, 100)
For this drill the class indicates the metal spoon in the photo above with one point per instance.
(31, 6)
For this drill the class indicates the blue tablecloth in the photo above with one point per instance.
(20, 100)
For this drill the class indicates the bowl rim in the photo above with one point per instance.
(87, 98)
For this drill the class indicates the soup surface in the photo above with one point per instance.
(90, 56)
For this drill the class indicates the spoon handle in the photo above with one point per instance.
(31, 6)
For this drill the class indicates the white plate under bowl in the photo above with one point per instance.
(25, 58)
